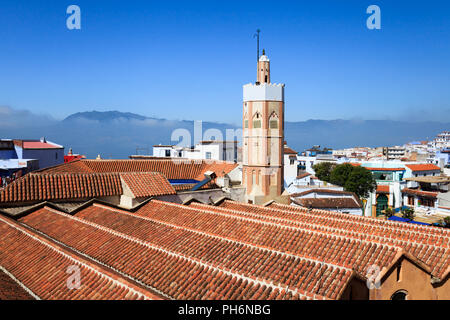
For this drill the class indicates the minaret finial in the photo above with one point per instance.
(264, 52)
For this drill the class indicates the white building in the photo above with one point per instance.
(290, 165)
(394, 153)
(207, 150)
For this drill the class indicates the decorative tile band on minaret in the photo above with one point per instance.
(263, 136)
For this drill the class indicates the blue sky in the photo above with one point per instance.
(189, 59)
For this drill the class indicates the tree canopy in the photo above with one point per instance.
(361, 182)
(323, 170)
(354, 179)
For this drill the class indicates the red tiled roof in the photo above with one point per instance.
(234, 251)
(42, 187)
(420, 193)
(39, 145)
(146, 184)
(382, 189)
(10, 289)
(430, 244)
(327, 203)
(189, 186)
(355, 164)
(42, 267)
(423, 167)
(288, 150)
(177, 263)
(64, 186)
(171, 168)
(322, 191)
(303, 175)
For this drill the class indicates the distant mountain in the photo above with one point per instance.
(339, 134)
(104, 116)
(114, 134)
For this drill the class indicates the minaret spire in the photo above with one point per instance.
(263, 69)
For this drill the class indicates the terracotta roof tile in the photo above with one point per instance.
(420, 193)
(41, 267)
(10, 289)
(322, 191)
(288, 150)
(43, 187)
(171, 168)
(323, 203)
(145, 184)
(64, 186)
(231, 251)
(423, 167)
(175, 269)
(303, 175)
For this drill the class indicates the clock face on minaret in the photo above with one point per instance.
(263, 136)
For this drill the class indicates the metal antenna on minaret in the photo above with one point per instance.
(257, 43)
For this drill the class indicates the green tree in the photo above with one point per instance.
(340, 174)
(361, 182)
(445, 222)
(323, 170)
(388, 212)
(408, 213)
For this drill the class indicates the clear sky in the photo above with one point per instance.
(189, 59)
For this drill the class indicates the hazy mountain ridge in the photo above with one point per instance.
(104, 116)
(117, 134)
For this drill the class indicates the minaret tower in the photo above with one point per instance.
(263, 136)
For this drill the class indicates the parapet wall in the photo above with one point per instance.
(263, 92)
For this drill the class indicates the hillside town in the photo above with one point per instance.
(253, 219)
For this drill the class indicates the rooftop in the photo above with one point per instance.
(423, 167)
(197, 251)
(64, 186)
(328, 203)
(170, 168)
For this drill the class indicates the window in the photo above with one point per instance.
(257, 121)
(410, 200)
(56, 156)
(273, 121)
(273, 124)
(208, 155)
(400, 295)
(245, 123)
(167, 153)
(427, 202)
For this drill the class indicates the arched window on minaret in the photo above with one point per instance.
(257, 120)
(245, 121)
(273, 121)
